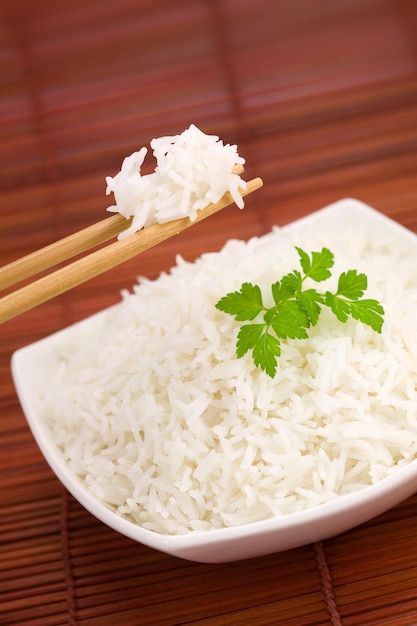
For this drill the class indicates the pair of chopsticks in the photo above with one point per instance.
(92, 265)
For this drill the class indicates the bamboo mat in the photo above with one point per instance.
(321, 98)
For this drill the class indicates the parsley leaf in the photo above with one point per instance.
(286, 288)
(245, 304)
(292, 283)
(265, 353)
(290, 321)
(296, 309)
(368, 312)
(339, 306)
(352, 285)
(318, 266)
(309, 301)
(248, 336)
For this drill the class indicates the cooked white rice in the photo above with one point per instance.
(167, 427)
(193, 170)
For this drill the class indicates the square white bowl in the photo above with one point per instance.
(33, 366)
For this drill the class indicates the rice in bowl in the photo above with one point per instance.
(164, 425)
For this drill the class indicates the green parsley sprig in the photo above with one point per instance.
(295, 308)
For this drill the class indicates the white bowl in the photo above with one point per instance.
(33, 365)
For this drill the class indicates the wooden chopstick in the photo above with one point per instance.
(62, 250)
(101, 260)
(66, 248)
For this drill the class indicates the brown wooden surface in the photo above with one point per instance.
(321, 97)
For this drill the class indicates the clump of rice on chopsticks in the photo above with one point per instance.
(193, 170)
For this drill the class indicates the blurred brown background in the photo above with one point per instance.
(321, 98)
